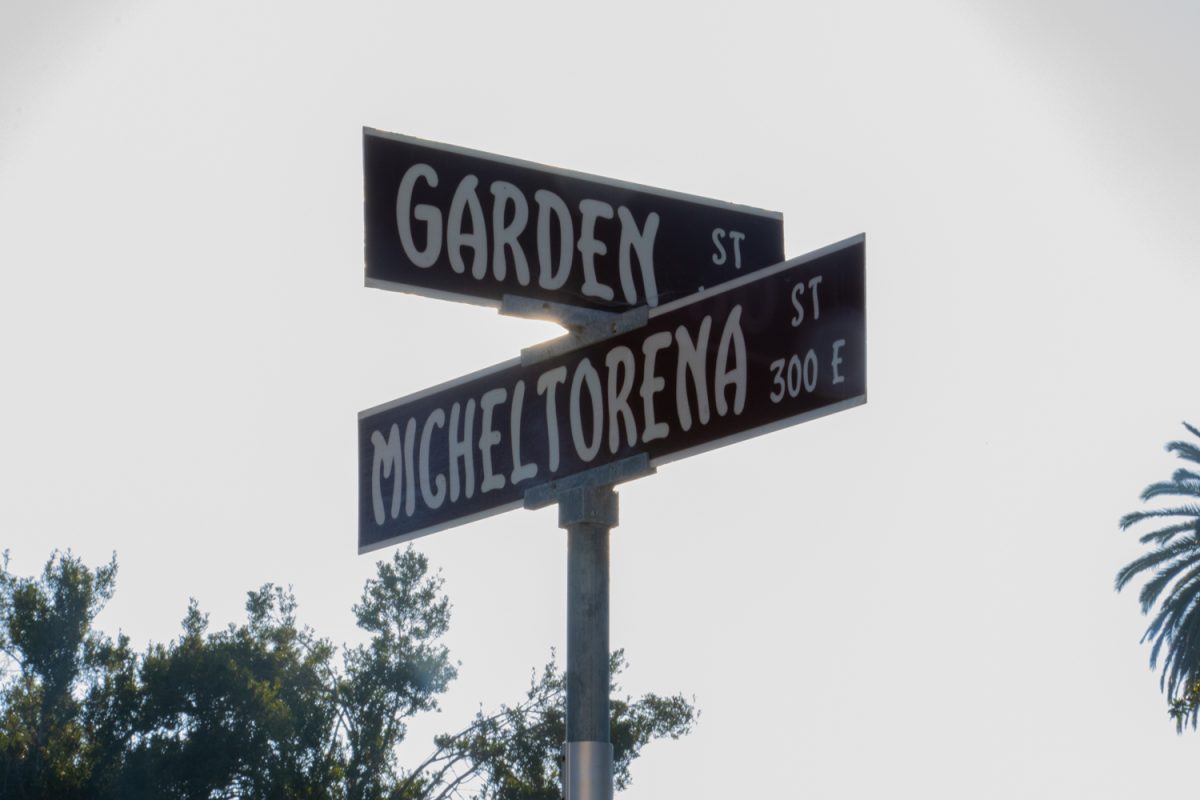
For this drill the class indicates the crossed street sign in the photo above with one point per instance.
(690, 333)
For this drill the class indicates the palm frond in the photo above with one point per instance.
(1177, 488)
(1171, 614)
(1185, 450)
(1194, 430)
(1189, 546)
(1183, 656)
(1165, 576)
(1134, 517)
(1164, 535)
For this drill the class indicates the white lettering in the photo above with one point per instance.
(780, 390)
(837, 361)
(423, 212)
(801, 375)
(643, 243)
(489, 438)
(410, 492)
(794, 370)
(456, 240)
(586, 373)
(590, 247)
(732, 334)
(719, 256)
(813, 283)
(810, 370)
(550, 202)
(461, 450)
(432, 499)
(385, 460)
(505, 236)
(498, 248)
(520, 471)
(692, 356)
(547, 384)
(618, 400)
(736, 237)
(651, 384)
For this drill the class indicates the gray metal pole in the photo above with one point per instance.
(587, 508)
(588, 513)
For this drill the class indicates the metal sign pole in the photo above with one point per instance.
(588, 514)
(587, 509)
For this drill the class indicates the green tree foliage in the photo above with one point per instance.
(1172, 590)
(516, 752)
(67, 696)
(267, 709)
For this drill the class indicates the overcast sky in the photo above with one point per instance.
(911, 597)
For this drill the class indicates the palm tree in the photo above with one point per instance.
(1174, 564)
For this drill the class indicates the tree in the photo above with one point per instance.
(65, 704)
(1173, 567)
(264, 709)
(243, 712)
(515, 753)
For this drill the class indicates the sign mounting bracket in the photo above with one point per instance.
(627, 469)
(584, 325)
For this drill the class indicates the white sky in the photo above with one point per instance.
(912, 597)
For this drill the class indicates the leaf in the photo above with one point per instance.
(1188, 547)
(1179, 511)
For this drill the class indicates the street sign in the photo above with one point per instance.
(458, 224)
(774, 348)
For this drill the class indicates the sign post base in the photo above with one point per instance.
(589, 774)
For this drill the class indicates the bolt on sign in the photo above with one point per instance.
(458, 224)
(773, 348)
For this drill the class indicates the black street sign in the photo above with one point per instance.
(458, 224)
(772, 349)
